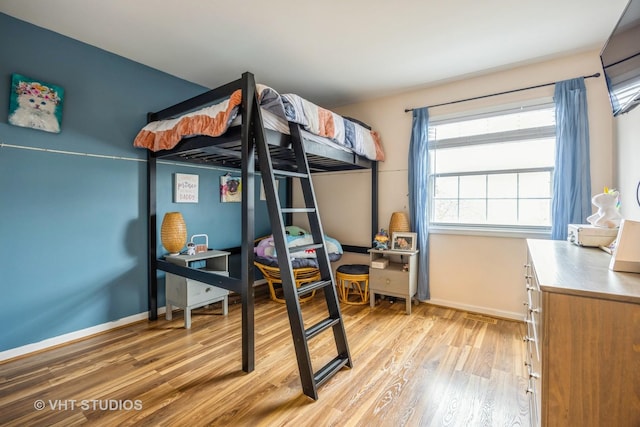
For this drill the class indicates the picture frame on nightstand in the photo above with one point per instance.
(404, 241)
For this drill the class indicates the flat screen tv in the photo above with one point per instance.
(620, 58)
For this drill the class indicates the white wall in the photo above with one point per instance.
(478, 273)
(627, 162)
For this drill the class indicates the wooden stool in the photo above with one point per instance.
(352, 281)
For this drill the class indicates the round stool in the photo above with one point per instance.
(353, 283)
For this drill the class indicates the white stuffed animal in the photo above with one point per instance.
(608, 215)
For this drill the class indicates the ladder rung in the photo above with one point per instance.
(320, 326)
(297, 210)
(293, 174)
(330, 369)
(303, 248)
(309, 287)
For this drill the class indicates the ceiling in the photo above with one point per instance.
(333, 52)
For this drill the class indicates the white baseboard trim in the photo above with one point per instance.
(83, 333)
(477, 309)
(76, 335)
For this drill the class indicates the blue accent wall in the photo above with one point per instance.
(73, 218)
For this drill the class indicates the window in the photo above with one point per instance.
(493, 170)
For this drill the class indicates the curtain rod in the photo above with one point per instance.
(406, 110)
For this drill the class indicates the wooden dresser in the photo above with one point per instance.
(583, 337)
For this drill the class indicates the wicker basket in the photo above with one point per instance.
(173, 232)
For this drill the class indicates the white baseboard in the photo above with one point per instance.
(83, 333)
(477, 309)
(72, 336)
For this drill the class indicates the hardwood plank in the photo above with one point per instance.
(431, 368)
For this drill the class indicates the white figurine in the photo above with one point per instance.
(191, 248)
(608, 215)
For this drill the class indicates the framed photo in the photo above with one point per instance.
(404, 241)
(186, 188)
(230, 188)
(35, 104)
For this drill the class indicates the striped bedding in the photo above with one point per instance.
(216, 119)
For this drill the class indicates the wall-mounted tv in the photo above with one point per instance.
(620, 58)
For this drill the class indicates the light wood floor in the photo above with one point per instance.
(436, 367)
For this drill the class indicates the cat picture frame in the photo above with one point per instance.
(35, 104)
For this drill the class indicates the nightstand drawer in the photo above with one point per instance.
(198, 292)
(390, 280)
(184, 292)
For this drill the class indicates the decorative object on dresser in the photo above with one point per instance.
(173, 232)
(626, 253)
(399, 223)
(608, 214)
(590, 235)
(395, 280)
(582, 340)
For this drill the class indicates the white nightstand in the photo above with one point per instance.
(189, 294)
(394, 280)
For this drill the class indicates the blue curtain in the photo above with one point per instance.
(571, 198)
(418, 194)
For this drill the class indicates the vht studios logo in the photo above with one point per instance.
(89, 404)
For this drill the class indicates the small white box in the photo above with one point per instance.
(590, 235)
(380, 263)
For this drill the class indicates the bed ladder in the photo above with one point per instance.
(310, 380)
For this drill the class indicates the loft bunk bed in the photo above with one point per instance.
(237, 112)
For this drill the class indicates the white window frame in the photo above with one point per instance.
(489, 229)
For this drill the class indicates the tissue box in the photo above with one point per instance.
(380, 263)
(590, 235)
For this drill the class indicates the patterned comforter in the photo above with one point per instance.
(214, 120)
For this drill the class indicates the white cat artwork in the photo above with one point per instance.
(35, 105)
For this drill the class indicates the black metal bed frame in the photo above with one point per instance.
(236, 149)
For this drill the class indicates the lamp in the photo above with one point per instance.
(173, 232)
(399, 223)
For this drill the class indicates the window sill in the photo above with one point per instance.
(490, 232)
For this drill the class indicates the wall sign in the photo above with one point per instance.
(186, 188)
